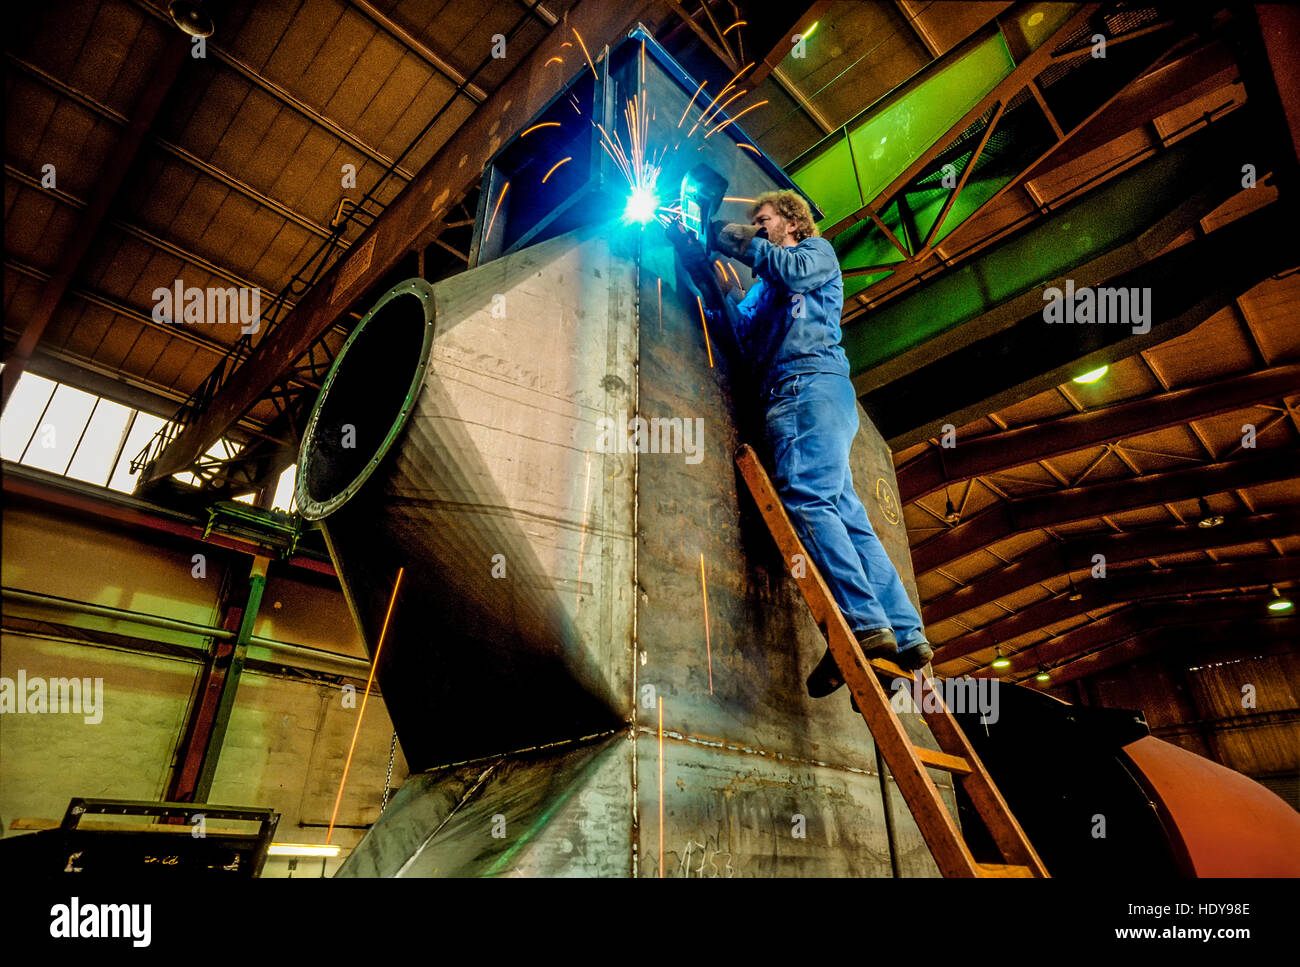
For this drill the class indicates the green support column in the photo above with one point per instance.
(230, 681)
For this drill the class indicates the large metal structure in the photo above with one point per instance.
(564, 593)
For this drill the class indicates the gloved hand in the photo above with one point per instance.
(688, 247)
(732, 239)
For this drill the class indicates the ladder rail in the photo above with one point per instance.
(919, 791)
(907, 762)
(978, 784)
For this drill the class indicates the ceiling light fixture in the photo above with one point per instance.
(1043, 675)
(1278, 602)
(950, 514)
(1092, 375)
(999, 661)
(301, 849)
(190, 16)
(1208, 518)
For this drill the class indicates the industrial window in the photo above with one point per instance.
(58, 428)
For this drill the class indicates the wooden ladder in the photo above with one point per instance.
(906, 761)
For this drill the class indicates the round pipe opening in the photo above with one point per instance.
(366, 398)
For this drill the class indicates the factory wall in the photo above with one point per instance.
(287, 737)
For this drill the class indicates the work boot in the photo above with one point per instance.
(827, 677)
(909, 659)
(915, 656)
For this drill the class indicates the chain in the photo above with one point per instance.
(388, 779)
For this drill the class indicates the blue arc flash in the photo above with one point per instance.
(642, 204)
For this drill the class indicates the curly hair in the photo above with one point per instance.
(791, 206)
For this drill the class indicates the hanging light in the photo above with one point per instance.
(950, 514)
(1278, 602)
(1092, 375)
(999, 660)
(1042, 675)
(1208, 518)
(190, 16)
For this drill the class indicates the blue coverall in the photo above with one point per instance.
(788, 326)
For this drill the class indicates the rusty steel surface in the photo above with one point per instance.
(529, 698)
(758, 779)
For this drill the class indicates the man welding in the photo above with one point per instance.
(787, 330)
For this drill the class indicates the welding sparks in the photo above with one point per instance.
(638, 160)
(691, 101)
(730, 84)
(733, 120)
(553, 167)
(347, 765)
(639, 168)
(493, 219)
(585, 54)
(718, 113)
(705, 323)
(541, 124)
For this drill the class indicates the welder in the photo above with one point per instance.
(786, 329)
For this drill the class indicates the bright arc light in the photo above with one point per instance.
(642, 204)
(301, 849)
(1092, 376)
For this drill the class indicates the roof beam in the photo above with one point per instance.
(1010, 517)
(979, 456)
(417, 212)
(1114, 228)
(1166, 88)
(1076, 554)
(283, 96)
(422, 50)
(162, 74)
(1121, 588)
(211, 170)
(999, 367)
(1117, 626)
(812, 13)
(1279, 29)
(1192, 644)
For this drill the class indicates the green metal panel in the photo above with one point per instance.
(854, 165)
(873, 149)
(1112, 216)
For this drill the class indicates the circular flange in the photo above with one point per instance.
(308, 506)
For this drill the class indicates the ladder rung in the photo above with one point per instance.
(884, 666)
(1003, 869)
(942, 760)
(932, 817)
